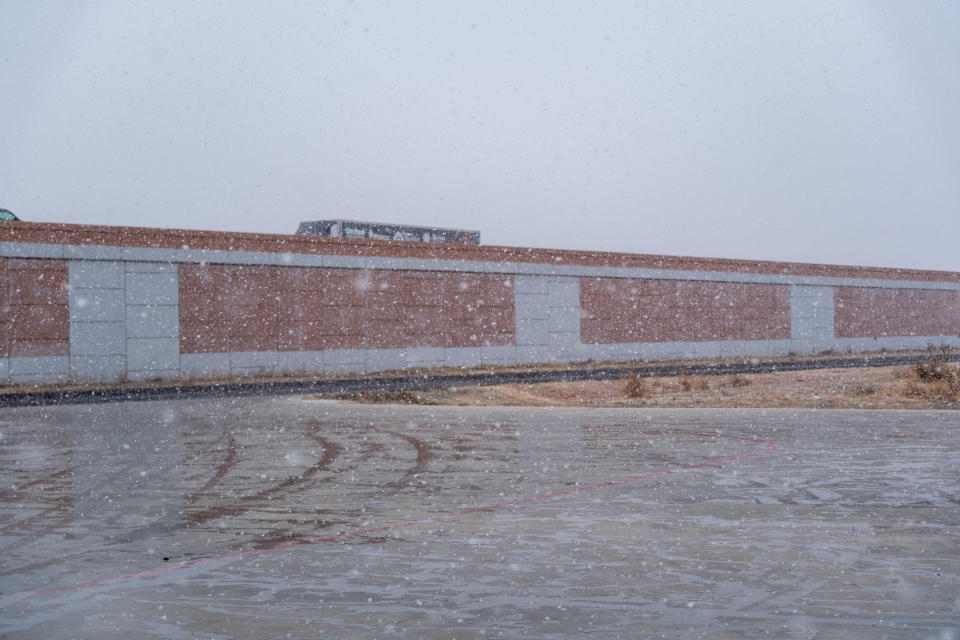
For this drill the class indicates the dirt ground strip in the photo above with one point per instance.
(861, 388)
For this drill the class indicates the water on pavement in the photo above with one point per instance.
(292, 518)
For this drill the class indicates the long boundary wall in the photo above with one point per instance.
(105, 304)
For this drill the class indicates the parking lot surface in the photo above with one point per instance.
(294, 518)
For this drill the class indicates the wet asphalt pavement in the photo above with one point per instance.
(289, 518)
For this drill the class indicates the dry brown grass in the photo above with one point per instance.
(939, 390)
(701, 383)
(694, 383)
(736, 380)
(381, 396)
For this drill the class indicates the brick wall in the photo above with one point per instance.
(874, 312)
(226, 308)
(633, 310)
(90, 304)
(34, 314)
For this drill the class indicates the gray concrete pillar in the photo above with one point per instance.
(97, 327)
(811, 318)
(152, 320)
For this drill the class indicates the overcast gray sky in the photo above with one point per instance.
(809, 131)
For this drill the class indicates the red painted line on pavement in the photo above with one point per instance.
(769, 447)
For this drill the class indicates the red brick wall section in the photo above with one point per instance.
(34, 308)
(864, 312)
(627, 310)
(262, 308)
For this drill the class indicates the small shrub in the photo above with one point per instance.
(685, 384)
(935, 379)
(864, 390)
(931, 369)
(635, 387)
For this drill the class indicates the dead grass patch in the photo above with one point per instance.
(736, 380)
(380, 396)
(896, 387)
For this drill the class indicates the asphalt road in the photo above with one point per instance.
(288, 518)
